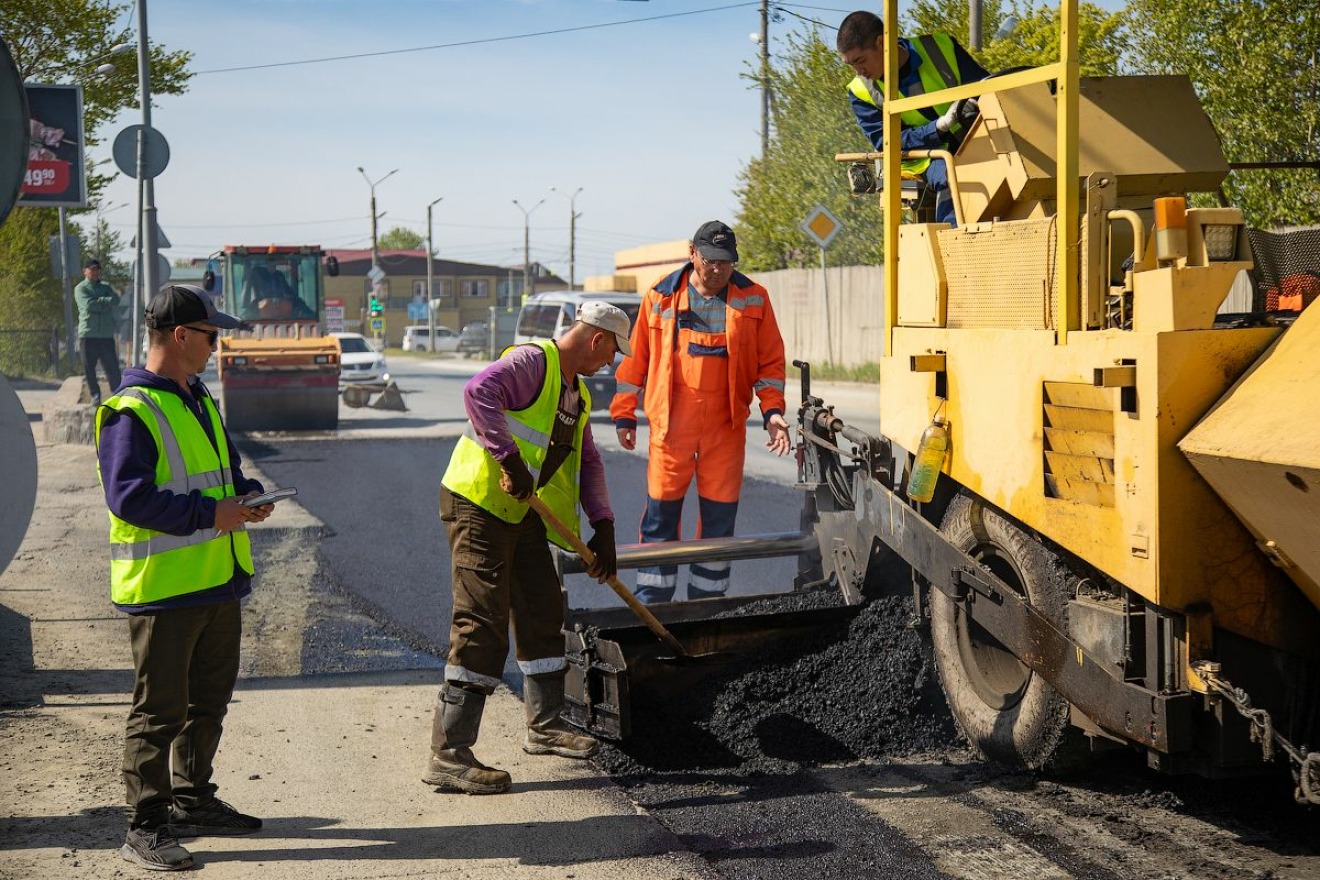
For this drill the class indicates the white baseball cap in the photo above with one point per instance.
(607, 317)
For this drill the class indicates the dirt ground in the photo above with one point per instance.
(816, 790)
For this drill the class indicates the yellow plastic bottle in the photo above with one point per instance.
(929, 461)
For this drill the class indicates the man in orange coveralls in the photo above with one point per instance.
(704, 342)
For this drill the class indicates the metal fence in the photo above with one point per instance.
(839, 322)
(25, 352)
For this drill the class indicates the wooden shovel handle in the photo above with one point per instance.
(642, 612)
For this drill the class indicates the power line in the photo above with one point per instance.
(479, 42)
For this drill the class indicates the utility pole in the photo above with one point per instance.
(65, 274)
(572, 236)
(527, 246)
(765, 78)
(146, 187)
(430, 273)
(974, 25)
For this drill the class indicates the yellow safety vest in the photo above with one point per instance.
(475, 474)
(147, 566)
(938, 70)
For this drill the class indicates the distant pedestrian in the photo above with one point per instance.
(97, 304)
(528, 433)
(705, 343)
(180, 561)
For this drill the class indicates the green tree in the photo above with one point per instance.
(813, 121)
(1035, 38)
(64, 41)
(403, 239)
(1256, 66)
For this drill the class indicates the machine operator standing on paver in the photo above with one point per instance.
(528, 433)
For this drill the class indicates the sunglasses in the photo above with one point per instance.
(211, 335)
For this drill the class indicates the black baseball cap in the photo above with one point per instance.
(716, 241)
(92, 264)
(179, 304)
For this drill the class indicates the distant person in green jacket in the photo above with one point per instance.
(97, 303)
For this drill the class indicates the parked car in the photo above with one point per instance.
(473, 339)
(358, 360)
(549, 315)
(417, 337)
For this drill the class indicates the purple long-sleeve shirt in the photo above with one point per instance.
(127, 455)
(511, 383)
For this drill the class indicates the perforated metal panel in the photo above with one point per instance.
(1287, 267)
(1001, 274)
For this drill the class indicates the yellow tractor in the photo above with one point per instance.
(280, 371)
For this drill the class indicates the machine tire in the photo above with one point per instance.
(1007, 712)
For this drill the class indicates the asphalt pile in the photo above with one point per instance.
(864, 688)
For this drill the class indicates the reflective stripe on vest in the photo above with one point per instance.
(148, 566)
(938, 70)
(475, 474)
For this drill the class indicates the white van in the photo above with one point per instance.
(549, 315)
(417, 337)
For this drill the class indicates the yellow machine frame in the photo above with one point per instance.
(1070, 429)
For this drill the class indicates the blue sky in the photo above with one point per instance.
(653, 120)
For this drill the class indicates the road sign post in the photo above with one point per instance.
(821, 226)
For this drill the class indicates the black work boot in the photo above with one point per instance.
(547, 733)
(695, 592)
(156, 849)
(453, 732)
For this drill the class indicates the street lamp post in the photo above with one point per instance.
(572, 235)
(527, 245)
(375, 250)
(430, 271)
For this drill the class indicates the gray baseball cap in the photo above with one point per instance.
(608, 317)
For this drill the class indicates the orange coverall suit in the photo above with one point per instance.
(697, 361)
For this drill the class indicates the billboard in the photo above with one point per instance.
(56, 175)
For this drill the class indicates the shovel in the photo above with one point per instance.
(642, 612)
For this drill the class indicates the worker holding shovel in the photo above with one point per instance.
(528, 436)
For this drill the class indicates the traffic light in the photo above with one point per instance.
(375, 306)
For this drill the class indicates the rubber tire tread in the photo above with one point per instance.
(1030, 733)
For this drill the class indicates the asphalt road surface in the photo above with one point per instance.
(805, 809)
(375, 484)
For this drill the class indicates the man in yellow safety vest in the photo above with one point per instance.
(925, 64)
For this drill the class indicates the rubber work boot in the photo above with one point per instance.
(453, 732)
(654, 595)
(547, 733)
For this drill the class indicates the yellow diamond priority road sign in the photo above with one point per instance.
(821, 225)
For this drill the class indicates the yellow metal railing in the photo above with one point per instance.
(1067, 193)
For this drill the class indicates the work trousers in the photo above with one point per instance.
(185, 663)
(937, 179)
(502, 572)
(100, 348)
(703, 440)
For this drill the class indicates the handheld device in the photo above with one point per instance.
(269, 497)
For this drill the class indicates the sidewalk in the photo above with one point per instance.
(332, 762)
